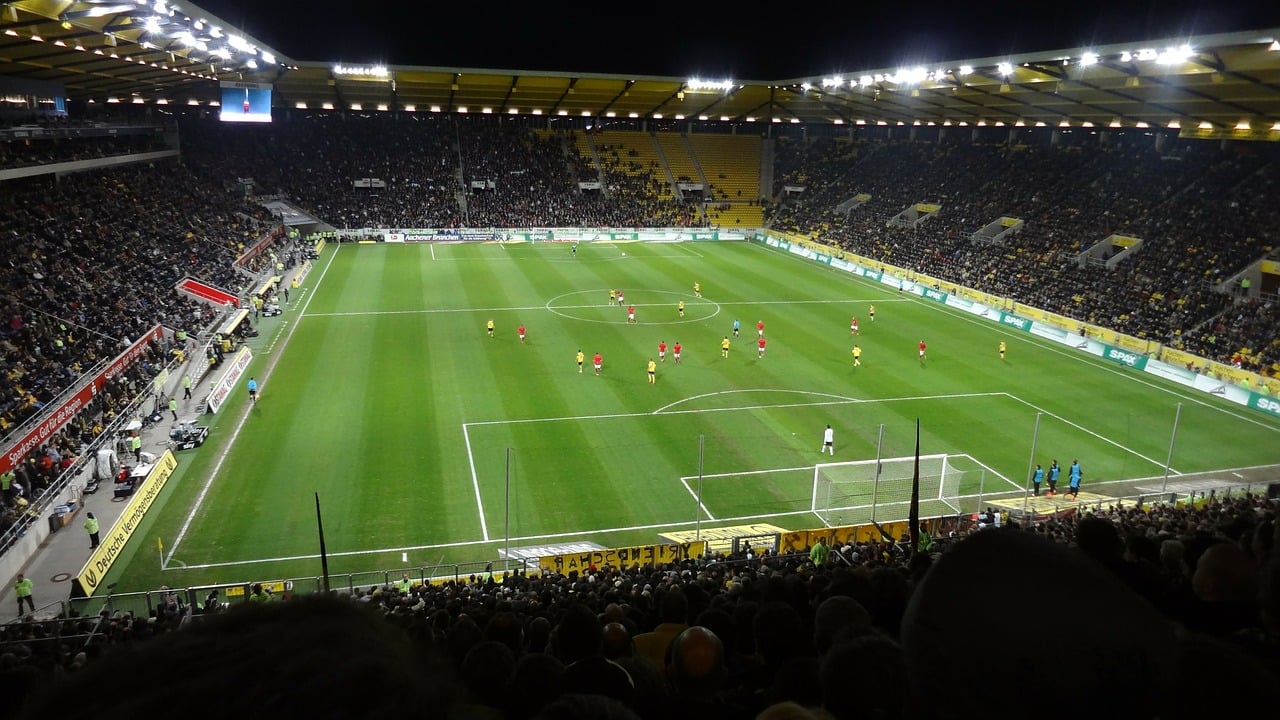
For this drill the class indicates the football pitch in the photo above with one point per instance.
(426, 441)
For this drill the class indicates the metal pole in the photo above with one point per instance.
(1169, 460)
(506, 528)
(1031, 464)
(697, 535)
(875, 485)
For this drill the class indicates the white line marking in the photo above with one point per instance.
(433, 311)
(240, 422)
(701, 506)
(842, 401)
(475, 480)
(1087, 431)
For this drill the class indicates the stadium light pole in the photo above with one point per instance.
(1031, 464)
(875, 484)
(1177, 415)
(697, 533)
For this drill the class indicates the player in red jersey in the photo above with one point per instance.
(675, 352)
(662, 351)
(760, 347)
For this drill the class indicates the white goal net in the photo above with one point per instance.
(848, 493)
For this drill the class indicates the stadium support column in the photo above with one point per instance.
(1031, 464)
(875, 484)
(506, 523)
(697, 534)
(1169, 459)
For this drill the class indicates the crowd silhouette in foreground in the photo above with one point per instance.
(1142, 612)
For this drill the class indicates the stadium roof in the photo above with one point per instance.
(1225, 85)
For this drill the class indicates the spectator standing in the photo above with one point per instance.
(22, 587)
(91, 526)
(818, 553)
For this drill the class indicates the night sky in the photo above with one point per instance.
(715, 39)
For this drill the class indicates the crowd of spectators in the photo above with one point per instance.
(93, 259)
(1123, 605)
(42, 151)
(1197, 207)
(437, 171)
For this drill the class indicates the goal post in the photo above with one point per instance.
(847, 493)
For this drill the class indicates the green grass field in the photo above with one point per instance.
(421, 435)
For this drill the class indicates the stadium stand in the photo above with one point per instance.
(1149, 599)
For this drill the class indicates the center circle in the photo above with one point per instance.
(593, 306)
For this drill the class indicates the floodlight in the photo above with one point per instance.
(1004, 68)
(1088, 59)
(865, 80)
(1205, 125)
(1242, 125)
(1174, 55)
(152, 25)
(966, 70)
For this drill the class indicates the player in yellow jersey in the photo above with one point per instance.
(653, 371)
(581, 359)
(1002, 349)
(697, 289)
(489, 327)
(857, 356)
(680, 308)
(613, 296)
(724, 347)
(871, 312)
